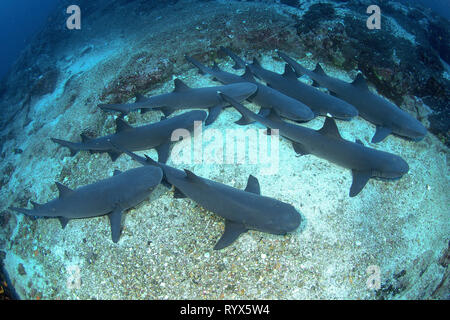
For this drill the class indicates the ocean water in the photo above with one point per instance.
(390, 241)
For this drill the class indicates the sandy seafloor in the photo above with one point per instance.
(166, 247)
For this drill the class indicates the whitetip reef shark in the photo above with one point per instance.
(319, 102)
(387, 117)
(184, 97)
(110, 196)
(155, 135)
(328, 144)
(243, 210)
(266, 97)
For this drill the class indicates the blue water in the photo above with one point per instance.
(19, 21)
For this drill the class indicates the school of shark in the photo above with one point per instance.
(285, 104)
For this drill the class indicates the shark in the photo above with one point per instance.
(387, 117)
(110, 196)
(327, 143)
(266, 97)
(155, 135)
(242, 210)
(184, 97)
(319, 102)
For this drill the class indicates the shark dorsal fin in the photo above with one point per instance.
(84, 138)
(192, 177)
(117, 172)
(253, 185)
(35, 204)
(180, 85)
(248, 75)
(63, 190)
(289, 73)
(232, 231)
(256, 62)
(360, 82)
(318, 70)
(330, 128)
(215, 66)
(122, 125)
(140, 98)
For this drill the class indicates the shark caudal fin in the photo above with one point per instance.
(123, 108)
(239, 63)
(202, 69)
(27, 212)
(245, 119)
(74, 147)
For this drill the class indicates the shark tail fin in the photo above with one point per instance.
(123, 108)
(27, 212)
(245, 119)
(73, 146)
(238, 62)
(202, 69)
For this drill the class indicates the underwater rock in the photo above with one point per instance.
(46, 83)
(397, 67)
(21, 270)
(138, 76)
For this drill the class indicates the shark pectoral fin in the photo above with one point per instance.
(232, 231)
(63, 221)
(380, 134)
(177, 194)
(299, 149)
(244, 120)
(163, 152)
(114, 154)
(264, 112)
(253, 185)
(360, 179)
(115, 219)
(213, 113)
(273, 115)
(63, 190)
